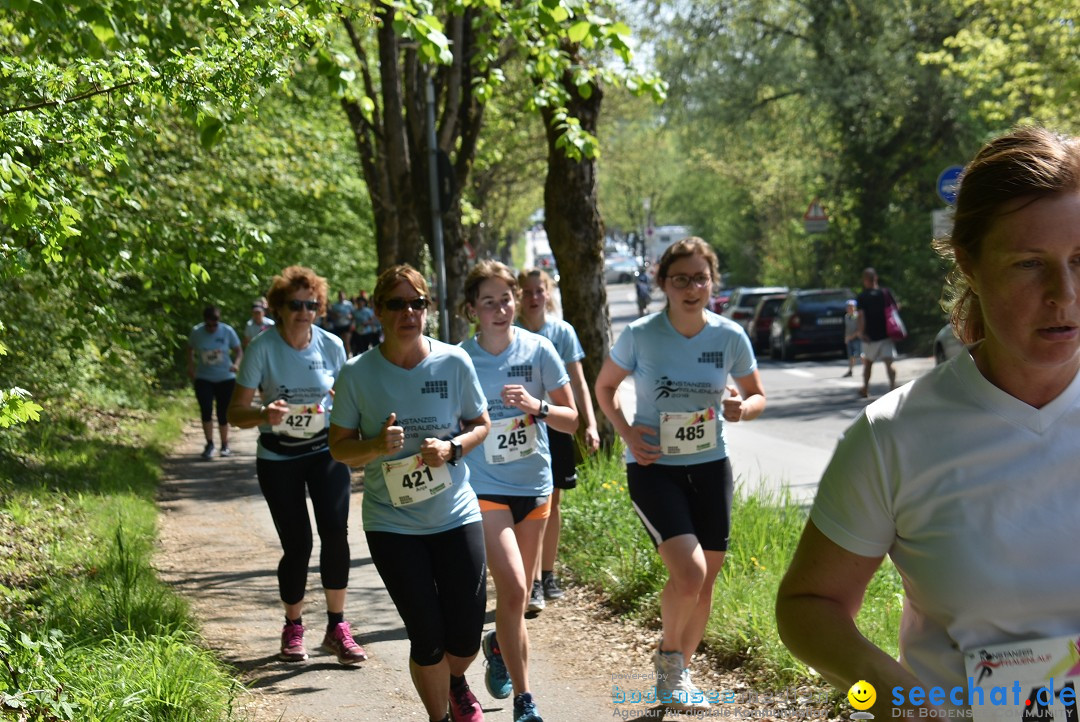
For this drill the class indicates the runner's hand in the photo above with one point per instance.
(644, 452)
(732, 405)
(391, 438)
(276, 411)
(435, 452)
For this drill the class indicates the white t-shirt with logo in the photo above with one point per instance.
(673, 373)
(975, 497)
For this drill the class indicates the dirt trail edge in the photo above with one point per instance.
(218, 549)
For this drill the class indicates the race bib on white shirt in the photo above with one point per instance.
(1018, 681)
(410, 480)
(212, 356)
(510, 439)
(687, 432)
(302, 421)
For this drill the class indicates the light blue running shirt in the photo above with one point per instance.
(673, 373)
(297, 376)
(563, 336)
(430, 400)
(212, 351)
(531, 361)
(252, 329)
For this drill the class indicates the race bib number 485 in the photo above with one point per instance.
(687, 433)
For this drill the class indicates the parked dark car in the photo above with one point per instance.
(761, 321)
(744, 299)
(809, 320)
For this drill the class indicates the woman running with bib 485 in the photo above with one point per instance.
(677, 470)
(512, 472)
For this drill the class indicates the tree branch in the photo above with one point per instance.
(73, 99)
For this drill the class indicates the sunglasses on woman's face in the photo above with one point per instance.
(399, 304)
(295, 304)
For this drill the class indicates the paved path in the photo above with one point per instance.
(220, 550)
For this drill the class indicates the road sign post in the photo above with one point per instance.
(815, 220)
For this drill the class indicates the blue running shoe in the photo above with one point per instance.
(525, 709)
(496, 677)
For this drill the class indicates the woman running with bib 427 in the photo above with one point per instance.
(512, 472)
(677, 470)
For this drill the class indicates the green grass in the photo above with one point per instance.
(604, 545)
(87, 631)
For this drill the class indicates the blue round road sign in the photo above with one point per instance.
(948, 183)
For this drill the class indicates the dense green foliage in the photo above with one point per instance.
(87, 632)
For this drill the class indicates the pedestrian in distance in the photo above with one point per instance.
(876, 344)
(213, 355)
(409, 411)
(852, 342)
(366, 333)
(535, 314)
(678, 472)
(966, 477)
(258, 322)
(511, 475)
(340, 316)
(295, 365)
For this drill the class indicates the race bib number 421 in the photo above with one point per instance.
(410, 480)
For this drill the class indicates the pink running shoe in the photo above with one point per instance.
(463, 705)
(292, 643)
(339, 641)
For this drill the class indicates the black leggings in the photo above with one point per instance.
(437, 582)
(209, 392)
(328, 483)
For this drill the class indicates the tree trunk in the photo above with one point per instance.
(576, 234)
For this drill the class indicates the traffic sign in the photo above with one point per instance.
(948, 183)
(815, 220)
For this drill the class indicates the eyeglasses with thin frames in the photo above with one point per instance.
(296, 304)
(701, 280)
(399, 304)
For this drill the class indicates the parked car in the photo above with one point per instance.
(719, 299)
(761, 322)
(744, 299)
(946, 344)
(809, 320)
(620, 269)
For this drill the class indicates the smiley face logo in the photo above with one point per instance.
(862, 695)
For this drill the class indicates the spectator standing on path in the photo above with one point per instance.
(408, 412)
(877, 346)
(966, 478)
(538, 291)
(678, 472)
(258, 322)
(212, 367)
(296, 365)
(851, 334)
(512, 473)
(341, 320)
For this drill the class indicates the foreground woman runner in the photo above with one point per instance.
(295, 364)
(512, 473)
(408, 411)
(677, 470)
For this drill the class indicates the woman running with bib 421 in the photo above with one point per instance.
(512, 473)
(677, 470)
(408, 410)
